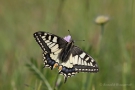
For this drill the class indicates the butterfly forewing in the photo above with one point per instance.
(49, 42)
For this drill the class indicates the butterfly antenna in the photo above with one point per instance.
(69, 32)
(79, 40)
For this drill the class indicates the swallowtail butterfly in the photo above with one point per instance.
(62, 53)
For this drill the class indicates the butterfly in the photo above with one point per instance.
(62, 53)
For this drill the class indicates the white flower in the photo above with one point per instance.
(102, 19)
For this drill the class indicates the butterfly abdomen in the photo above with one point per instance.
(66, 52)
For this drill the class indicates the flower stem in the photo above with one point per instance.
(55, 83)
(100, 39)
(102, 29)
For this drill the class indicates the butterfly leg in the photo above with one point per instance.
(65, 78)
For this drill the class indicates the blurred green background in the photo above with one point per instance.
(114, 50)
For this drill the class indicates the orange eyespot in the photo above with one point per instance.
(60, 68)
(55, 65)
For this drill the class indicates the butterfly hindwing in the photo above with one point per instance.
(48, 61)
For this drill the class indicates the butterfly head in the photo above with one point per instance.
(68, 38)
